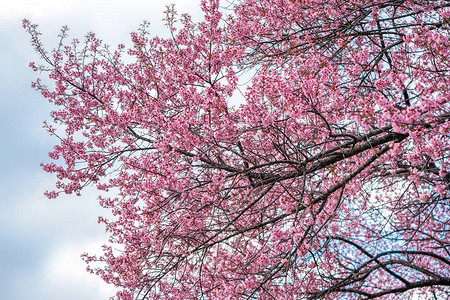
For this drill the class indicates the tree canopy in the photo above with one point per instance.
(329, 180)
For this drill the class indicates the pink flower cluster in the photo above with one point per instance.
(330, 180)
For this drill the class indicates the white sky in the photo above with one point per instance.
(41, 239)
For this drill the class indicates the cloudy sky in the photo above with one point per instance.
(41, 239)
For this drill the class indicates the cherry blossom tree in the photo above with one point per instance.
(330, 179)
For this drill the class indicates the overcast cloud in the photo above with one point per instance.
(41, 239)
